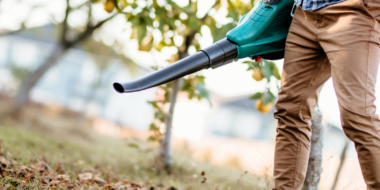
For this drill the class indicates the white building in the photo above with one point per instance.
(72, 81)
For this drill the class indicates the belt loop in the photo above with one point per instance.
(293, 9)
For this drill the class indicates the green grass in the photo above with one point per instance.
(75, 150)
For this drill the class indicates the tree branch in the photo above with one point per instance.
(65, 25)
(89, 31)
(190, 38)
(89, 14)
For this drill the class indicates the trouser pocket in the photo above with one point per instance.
(373, 8)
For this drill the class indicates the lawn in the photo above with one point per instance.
(41, 153)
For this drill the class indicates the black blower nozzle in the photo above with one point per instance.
(218, 54)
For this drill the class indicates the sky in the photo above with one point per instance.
(228, 81)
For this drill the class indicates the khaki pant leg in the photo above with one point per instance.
(349, 36)
(306, 69)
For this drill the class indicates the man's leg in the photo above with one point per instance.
(306, 69)
(349, 36)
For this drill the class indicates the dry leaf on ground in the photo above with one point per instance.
(63, 177)
(4, 163)
(85, 176)
(100, 181)
(42, 166)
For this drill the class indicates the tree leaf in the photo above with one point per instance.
(147, 43)
(161, 24)
(274, 70)
(253, 64)
(267, 69)
(141, 33)
(200, 79)
(203, 93)
(268, 97)
(152, 138)
(256, 96)
(153, 103)
(193, 22)
(134, 145)
(153, 127)
(160, 115)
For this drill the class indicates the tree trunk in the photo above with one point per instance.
(342, 159)
(22, 96)
(166, 151)
(314, 168)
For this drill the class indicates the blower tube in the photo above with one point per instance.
(218, 54)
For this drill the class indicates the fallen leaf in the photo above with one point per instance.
(109, 186)
(4, 163)
(85, 176)
(59, 169)
(7, 172)
(23, 182)
(100, 181)
(120, 183)
(136, 185)
(29, 176)
(45, 172)
(54, 183)
(22, 173)
(88, 183)
(67, 185)
(45, 181)
(52, 177)
(41, 166)
(63, 177)
(26, 168)
(76, 183)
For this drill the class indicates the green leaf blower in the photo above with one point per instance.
(261, 32)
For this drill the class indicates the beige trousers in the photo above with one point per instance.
(338, 41)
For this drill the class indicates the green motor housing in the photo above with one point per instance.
(263, 30)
